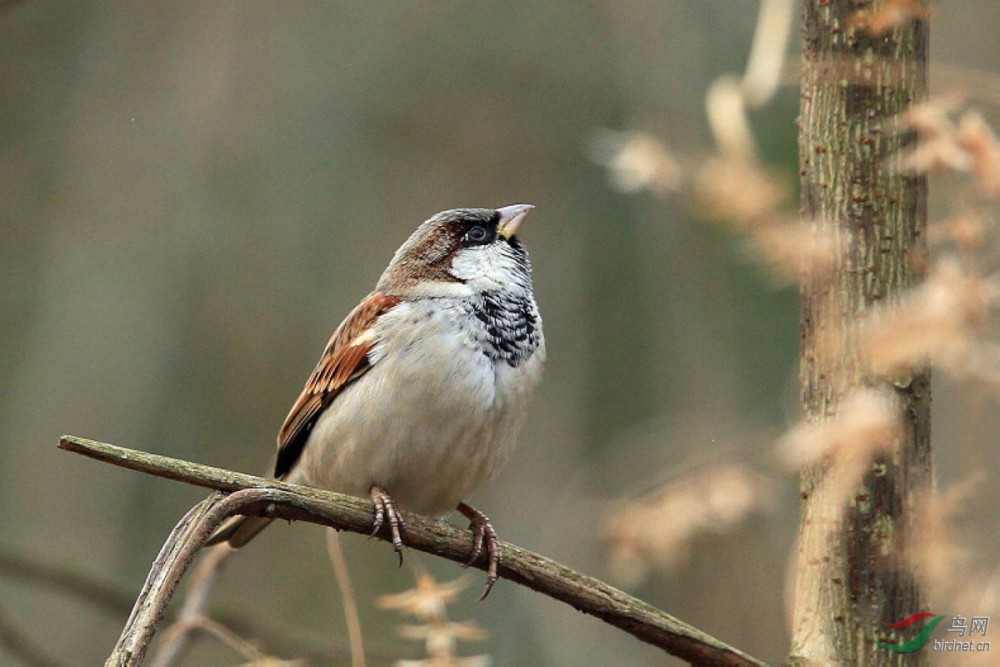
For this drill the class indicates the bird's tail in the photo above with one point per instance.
(238, 530)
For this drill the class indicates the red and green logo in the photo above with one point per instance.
(919, 640)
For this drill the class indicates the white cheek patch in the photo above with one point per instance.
(486, 268)
(436, 289)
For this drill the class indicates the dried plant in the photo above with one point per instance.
(732, 185)
(428, 602)
(351, 616)
(637, 161)
(967, 231)
(794, 250)
(270, 661)
(976, 137)
(474, 661)
(766, 62)
(733, 188)
(657, 531)
(738, 191)
(891, 15)
(947, 565)
(866, 425)
(938, 550)
(968, 145)
(441, 639)
(942, 319)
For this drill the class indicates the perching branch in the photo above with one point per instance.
(238, 493)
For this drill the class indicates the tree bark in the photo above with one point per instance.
(851, 573)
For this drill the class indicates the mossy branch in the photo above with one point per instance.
(237, 493)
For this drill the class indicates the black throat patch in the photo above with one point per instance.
(510, 326)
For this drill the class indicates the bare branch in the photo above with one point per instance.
(168, 568)
(178, 638)
(256, 495)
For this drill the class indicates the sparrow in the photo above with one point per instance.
(423, 389)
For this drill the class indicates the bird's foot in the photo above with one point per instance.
(385, 509)
(483, 535)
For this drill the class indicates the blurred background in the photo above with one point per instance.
(195, 194)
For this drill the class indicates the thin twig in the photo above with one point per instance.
(114, 599)
(288, 501)
(351, 616)
(178, 638)
(174, 557)
(187, 627)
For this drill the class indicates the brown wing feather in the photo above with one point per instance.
(344, 360)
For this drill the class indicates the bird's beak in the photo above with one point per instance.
(511, 218)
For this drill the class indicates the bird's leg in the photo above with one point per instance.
(385, 508)
(483, 533)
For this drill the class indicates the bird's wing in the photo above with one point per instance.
(344, 360)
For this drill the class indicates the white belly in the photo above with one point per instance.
(428, 422)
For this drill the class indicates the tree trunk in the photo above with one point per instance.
(851, 575)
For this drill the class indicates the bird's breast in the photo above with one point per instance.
(439, 410)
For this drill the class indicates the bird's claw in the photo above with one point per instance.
(385, 509)
(483, 534)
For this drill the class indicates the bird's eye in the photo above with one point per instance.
(477, 235)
